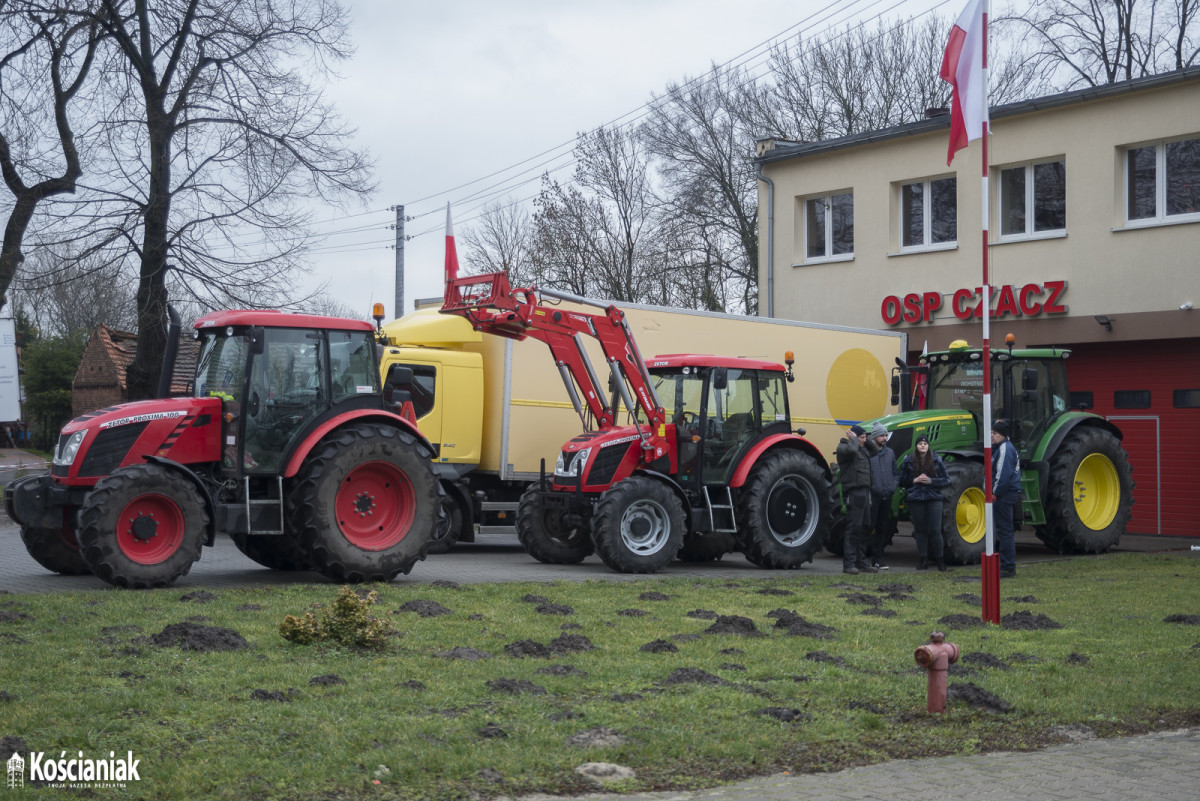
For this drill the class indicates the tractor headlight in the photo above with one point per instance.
(568, 467)
(65, 455)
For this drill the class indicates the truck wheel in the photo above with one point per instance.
(448, 528)
(964, 513)
(56, 549)
(275, 551)
(706, 547)
(638, 526)
(142, 526)
(1089, 495)
(545, 536)
(784, 511)
(364, 504)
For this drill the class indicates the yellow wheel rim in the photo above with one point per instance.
(1097, 491)
(970, 515)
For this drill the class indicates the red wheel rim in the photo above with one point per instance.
(375, 506)
(150, 529)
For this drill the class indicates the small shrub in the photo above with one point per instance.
(348, 622)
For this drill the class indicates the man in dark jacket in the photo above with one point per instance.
(854, 466)
(883, 487)
(1006, 487)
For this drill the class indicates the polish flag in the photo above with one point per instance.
(451, 251)
(923, 380)
(963, 68)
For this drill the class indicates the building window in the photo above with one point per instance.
(1131, 399)
(1082, 400)
(1162, 182)
(829, 227)
(1033, 200)
(929, 214)
(1186, 399)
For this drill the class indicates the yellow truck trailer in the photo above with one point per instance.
(494, 409)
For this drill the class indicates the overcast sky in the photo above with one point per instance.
(444, 96)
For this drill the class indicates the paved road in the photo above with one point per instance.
(1164, 766)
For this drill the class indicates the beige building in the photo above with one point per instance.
(1094, 244)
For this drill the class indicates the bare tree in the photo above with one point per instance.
(1075, 43)
(46, 59)
(64, 296)
(500, 242)
(215, 139)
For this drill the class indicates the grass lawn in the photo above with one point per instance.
(504, 689)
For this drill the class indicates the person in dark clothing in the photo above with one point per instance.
(924, 477)
(1006, 489)
(854, 465)
(883, 487)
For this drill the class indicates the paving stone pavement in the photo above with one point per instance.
(1164, 766)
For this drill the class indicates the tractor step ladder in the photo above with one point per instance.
(720, 509)
(264, 502)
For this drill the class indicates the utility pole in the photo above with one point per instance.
(399, 310)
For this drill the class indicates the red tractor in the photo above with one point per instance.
(285, 443)
(707, 465)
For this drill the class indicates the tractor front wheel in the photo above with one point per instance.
(1089, 495)
(638, 526)
(143, 526)
(784, 511)
(364, 504)
(544, 533)
(964, 513)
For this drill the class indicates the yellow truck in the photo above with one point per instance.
(494, 409)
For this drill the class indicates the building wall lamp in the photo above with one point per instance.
(1105, 321)
(1186, 306)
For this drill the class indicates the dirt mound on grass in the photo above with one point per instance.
(554, 609)
(528, 648)
(463, 652)
(597, 738)
(571, 644)
(198, 597)
(702, 614)
(1187, 620)
(960, 621)
(515, 687)
(984, 660)
(327, 680)
(196, 637)
(734, 624)
(1028, 621)
(785, 714)
(280, 696)
(692, 676)
(797, 626)
(654, 596)
(976, 697)
(424, 608)
(659, 647)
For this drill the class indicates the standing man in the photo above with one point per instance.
(854, 465)
(1006, 486)
(883, 487)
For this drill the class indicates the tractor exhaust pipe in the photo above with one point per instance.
(168, 366)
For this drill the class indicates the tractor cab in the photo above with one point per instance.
(275, 380)
(719, 408)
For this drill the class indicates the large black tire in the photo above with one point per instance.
(964, 514)
(835, 540)
(56, 549)
(638, 526)
(143, 526)
(449, 527)
(784, 511)
(364, 504)
(706, 547)
(1089, 494)
(276, 551)
(546, 536)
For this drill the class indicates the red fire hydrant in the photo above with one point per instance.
(936, 657)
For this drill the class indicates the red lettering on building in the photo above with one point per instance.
(967, 303)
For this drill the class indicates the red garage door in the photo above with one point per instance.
(1151, 391)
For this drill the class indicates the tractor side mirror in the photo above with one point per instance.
(258, 339)
(721, 378)
(895, 401)
(1029, 379)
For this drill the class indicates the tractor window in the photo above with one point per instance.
(679, 390)
(735, 410)
(221, 367)
(956, 385)
(352, 364)
(1038, 392)
(288, 388)
(772, 399)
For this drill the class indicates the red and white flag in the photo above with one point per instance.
(451, 251)
(963, 68)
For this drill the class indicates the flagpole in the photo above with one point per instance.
(990, 563)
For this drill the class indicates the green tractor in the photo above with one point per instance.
(1076, 482)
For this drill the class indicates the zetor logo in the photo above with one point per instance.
(77, 772)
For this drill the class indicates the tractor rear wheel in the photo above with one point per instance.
(545, 535)
(638, 526)
(143, 526)
(56, 549)
(276, 551)
(1089, 495)
(784, 511)
(964, 513)
(364, 504)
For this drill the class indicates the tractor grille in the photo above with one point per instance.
(109, 449)
(606, 464)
